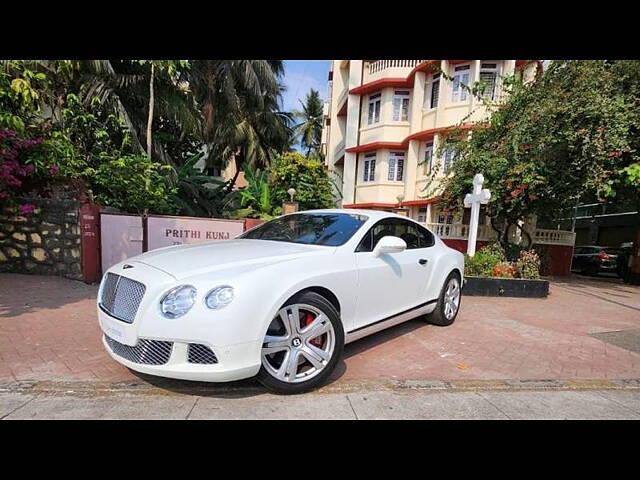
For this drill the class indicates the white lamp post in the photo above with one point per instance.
(473, 200)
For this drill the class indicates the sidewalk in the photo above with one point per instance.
(382, 403)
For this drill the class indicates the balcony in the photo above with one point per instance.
(377, 69)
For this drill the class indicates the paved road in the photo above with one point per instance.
(374, 401)
(586, 329)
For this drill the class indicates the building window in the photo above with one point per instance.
(396, 166)
(422, 214)
(374, 109)
(450, 156)
(461, 75)
(432, 89)
(489, 76)
(369, 167)
(401, 106)
(427, 164)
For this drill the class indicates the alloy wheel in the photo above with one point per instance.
(451, 298)
(299, 343)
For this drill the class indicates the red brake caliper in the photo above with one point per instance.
(307, 321)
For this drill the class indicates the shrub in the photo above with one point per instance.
(132, 183)
(307, 175)
(528, 265)
(504, 270)
(484, 261)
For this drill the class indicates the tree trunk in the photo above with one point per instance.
(526, 234)
(150, 119)
(235, 175)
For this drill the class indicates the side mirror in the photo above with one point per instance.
(389, 244)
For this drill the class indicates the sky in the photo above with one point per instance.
(302, 75)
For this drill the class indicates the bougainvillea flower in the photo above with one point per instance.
(26, 209)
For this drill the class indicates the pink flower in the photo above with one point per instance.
(54, 170)
(27, 209)
(4, 194)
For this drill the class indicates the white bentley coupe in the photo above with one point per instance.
(280, 301)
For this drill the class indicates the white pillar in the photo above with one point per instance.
(411, 170)
(351, 133)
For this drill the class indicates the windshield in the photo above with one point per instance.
(329, 229)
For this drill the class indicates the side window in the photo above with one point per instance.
(426, 237)
(414, 235)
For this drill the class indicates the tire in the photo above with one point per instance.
(440, 316)
(290, 354)
(591, 270)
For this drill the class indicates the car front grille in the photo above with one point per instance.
(121, 297)
(198, 353)
(147, 352)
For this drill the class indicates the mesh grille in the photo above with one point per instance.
(121, 297)
(198, 353)
(148, 352)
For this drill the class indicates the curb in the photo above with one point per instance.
(94, 389)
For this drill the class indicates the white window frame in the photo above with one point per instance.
(395, 166)
(375, 104)
(429, 98)
(449, 158)
(490, 67)
(401, 98)
(427, 165)
(422, 214)
(459, 94)
(369, 167)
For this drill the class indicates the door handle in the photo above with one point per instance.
(423, 261)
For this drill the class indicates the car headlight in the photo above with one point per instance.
(219, 297)
(178, 301)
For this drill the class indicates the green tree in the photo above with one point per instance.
(570, 133)
(309, 130)
(239, 101)
(308, 176)
(255, 200)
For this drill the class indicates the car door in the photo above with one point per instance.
(394, 282)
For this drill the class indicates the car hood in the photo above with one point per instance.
(183, 261)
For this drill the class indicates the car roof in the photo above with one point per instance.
(372, 214)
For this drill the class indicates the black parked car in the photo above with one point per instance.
(593, 259)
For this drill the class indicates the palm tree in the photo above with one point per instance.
(125, 87)
(310, 129)
(239, 100)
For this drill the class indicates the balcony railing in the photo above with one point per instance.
(378, 65)
(553, 237)
(460, 231)
(486, 233)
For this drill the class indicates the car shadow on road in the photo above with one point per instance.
(252, 388)
(22, 293)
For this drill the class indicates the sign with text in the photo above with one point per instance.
(167, 231)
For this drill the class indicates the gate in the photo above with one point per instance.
(123, 236)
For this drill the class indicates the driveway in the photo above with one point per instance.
(586, 330)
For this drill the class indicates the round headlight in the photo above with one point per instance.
(219, 297)
(178, 301)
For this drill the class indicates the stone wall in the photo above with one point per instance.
(45, 242)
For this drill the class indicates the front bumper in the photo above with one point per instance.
(234, 363)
